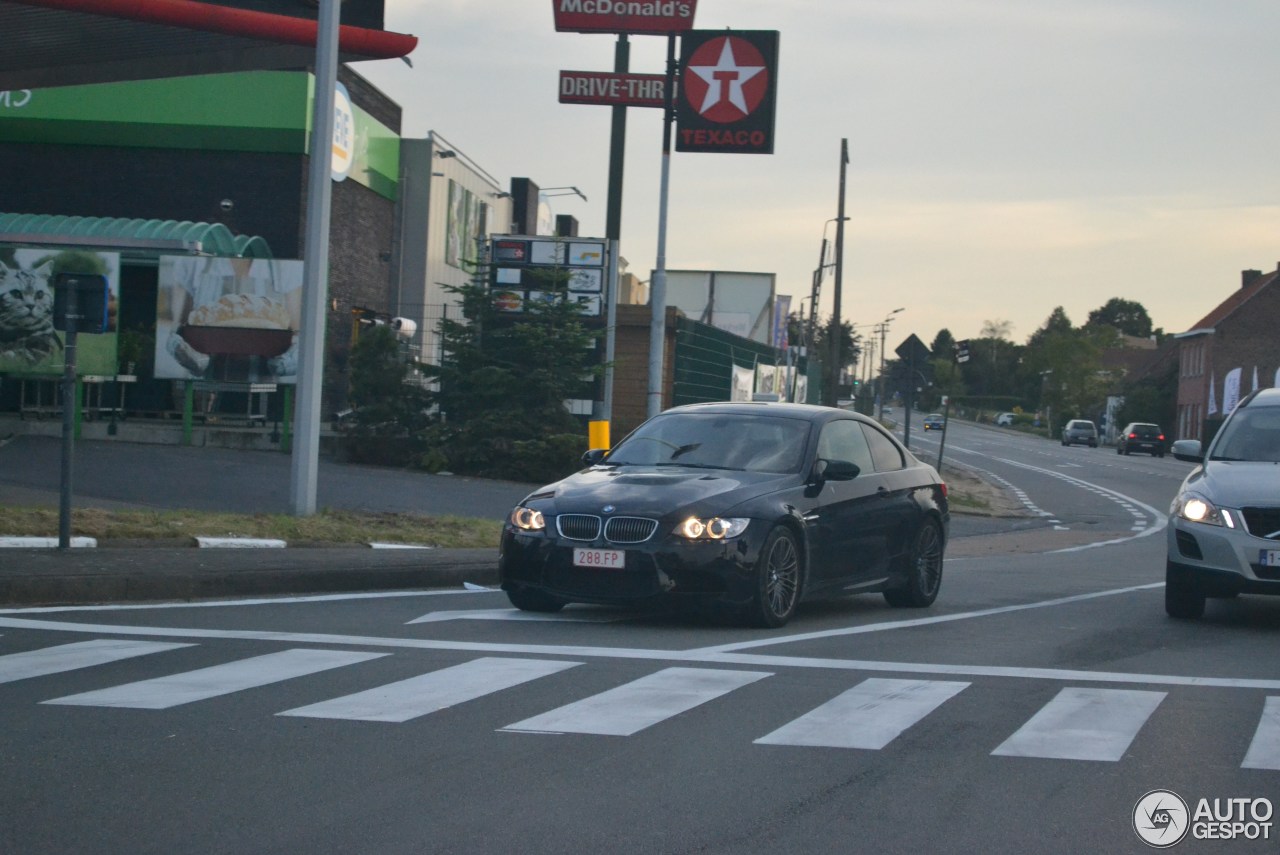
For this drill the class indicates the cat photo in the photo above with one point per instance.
(27, 335)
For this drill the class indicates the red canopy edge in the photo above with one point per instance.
(374, 44)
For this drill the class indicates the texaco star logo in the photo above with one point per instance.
(727, 79)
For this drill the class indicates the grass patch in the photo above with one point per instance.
(325, 527)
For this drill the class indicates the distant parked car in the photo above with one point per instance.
(1004, 419)
(1224, 525)
(1141, 436)
(1080, 432)
(933, 421)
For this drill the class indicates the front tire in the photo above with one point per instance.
(1183, 598)
(924, 570)
(532, 600)
(778, 575)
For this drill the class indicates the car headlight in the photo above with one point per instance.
(716, 528)
(527, 519)
(1198, 509)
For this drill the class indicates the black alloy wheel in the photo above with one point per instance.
(533, 600)
(923, 570)
(778, 573)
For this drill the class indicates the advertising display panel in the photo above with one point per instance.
(29, 342)
(228, 319)
(524, 267)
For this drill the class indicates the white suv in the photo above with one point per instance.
(1004, 419)
(1224, 524)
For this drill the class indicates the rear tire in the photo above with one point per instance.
(923, 570)
(531, 600)
(779, 571)
(1183, 598)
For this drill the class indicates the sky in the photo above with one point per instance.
(1006, 156)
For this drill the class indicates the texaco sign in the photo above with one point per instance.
(728, 86)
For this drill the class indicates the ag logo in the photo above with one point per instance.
(727, 79)
(1161, 818)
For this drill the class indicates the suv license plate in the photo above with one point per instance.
(1269, 558)
(607, 559)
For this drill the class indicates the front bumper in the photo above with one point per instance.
(667, 568)
(1222, 560)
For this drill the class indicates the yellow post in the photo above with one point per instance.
(597, 435)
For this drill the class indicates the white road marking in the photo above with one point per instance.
(641, 703)
(1084, 724)
(79, 654)
(1264, 751)
(703, 656)
(418, 696)
(906, 624)
(164, 692)
(870, 715)
(468, 588)
(571, 616)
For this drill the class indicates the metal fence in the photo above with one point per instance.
(705, 357)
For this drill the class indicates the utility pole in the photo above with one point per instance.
(834, 391)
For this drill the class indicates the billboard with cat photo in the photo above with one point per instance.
(29, 344)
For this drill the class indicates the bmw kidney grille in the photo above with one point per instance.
(616, 529)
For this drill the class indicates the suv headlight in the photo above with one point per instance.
(716, 528)
(1198, 509)
(527, 519)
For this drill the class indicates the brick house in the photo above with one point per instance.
(1228, 353)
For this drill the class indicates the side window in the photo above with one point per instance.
(843, 440)
(884, 452)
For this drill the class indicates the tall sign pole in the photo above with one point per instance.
(837, 331)
(315, 284)
(658, 287)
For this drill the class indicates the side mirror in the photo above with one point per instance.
(594, 456)
(834, 470)
(1188, 450)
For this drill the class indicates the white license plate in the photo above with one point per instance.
(1269, 558)
(606, 559)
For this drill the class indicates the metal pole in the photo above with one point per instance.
(617, 146)
(611, 328)
(884, 328)
(836, 329)
(315, 285)
(658, 288)
(942, 443)
(68, 418)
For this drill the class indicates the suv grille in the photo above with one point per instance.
(1262, 522)
(616, 529)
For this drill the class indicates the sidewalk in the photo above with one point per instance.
(119, 475)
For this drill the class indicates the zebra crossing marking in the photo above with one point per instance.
(1264, 751)
(205, 683)
(642, 703)
(428, 693)
(1083, 724)
(870, 715)
(78, 654)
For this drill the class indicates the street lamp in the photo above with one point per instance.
(884, 328)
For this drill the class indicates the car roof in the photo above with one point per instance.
(808, 412)
(1262, 398)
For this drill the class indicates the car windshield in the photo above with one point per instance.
(754, 443)
(1250, 434)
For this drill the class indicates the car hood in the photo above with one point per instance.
(654, 491)
(1237, 483)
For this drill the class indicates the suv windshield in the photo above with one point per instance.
(715, 440)
(1250, 434)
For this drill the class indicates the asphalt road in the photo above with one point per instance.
(1030, 709)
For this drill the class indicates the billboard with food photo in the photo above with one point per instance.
(228, 319)
(30, 343)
